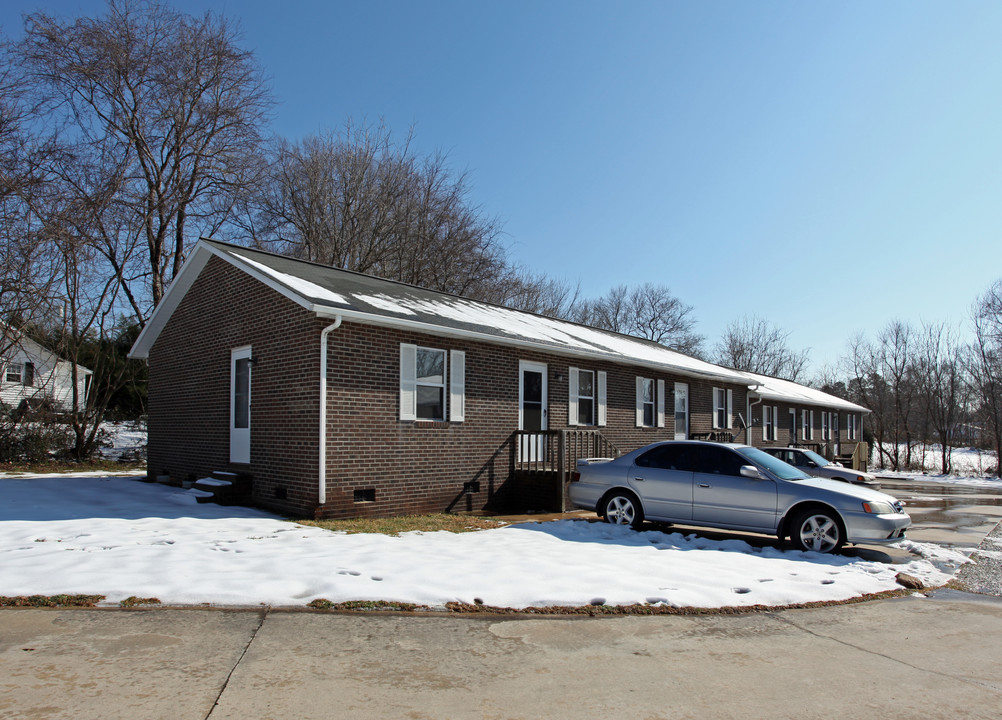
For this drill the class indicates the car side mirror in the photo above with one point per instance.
(750, 471)
(811, 463)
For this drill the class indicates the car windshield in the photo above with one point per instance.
(773, 464)
(811, 455)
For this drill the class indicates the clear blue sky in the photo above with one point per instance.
(829, 166)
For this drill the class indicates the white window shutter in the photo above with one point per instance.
(601, 397)
(457, 386)
(408, 382)
(640, 402)
(661, 403)
(572, 396)
(730, 408)
(716, 408)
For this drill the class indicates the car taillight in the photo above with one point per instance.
(575, 476)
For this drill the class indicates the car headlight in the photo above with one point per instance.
(876, 507)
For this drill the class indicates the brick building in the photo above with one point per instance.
(340, 394)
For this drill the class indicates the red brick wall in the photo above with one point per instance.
(409, 467)
(189, 390)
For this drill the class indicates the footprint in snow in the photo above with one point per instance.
(827, 582)
(765, 579)
(377, 578)
(597, 601)
(348, 572)
(657, 600)
(741, 591)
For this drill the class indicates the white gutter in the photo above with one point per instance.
(322, 475)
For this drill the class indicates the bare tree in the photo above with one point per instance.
(883, 377)
(942, 389)
(649, 311)
(985, 365)
(171, 106)
(358, 200)
(754, 345)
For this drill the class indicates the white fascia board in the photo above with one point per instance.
(838, 403)
(176, 291)
(324, 311)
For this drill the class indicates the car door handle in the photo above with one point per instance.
(703, 485)
(638, 479)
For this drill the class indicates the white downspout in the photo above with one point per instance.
(748, 437)
(322, 475)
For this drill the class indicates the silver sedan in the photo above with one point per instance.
(735, 487)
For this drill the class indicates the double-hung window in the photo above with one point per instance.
(850, 426)
(13, 373)
(808, 424)
(423, 384)
(825, 430)
(769, 418)
(650, 402)
(586, 397)
(722, 406)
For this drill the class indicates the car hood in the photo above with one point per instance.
(857, 491)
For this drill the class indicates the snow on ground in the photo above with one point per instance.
(966, 462)
(119, 537)
(124, 438)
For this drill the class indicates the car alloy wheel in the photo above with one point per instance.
(623, 509)
(817, 531)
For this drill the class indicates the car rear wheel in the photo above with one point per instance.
(817, 530)
(623, 509)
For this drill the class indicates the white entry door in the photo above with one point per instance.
(532, 408)
(240, 405)
(681, 411)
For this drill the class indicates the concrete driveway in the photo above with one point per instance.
(922, 657)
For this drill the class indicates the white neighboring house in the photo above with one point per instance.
(29, 371)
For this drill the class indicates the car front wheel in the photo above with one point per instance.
(623, 509)
(817, 530)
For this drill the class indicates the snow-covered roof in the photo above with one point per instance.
(363, 298)
(331, 292)
(770, 388)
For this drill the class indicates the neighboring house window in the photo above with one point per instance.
(423, 384)
(586, 397)
(14, 373)
(825, 431)
(769, 418)
(850, 426)
(29, 374)
(793, 425)
(722, 405)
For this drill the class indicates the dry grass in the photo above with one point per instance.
(408, 523)
(51, 601)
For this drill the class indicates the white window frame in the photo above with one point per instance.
(409, 383)
(807, 417)
(598, 406)
(13, 373)
(770, 414)
(850, 426)
(825, 427)
(642, 404)
(723, 401)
